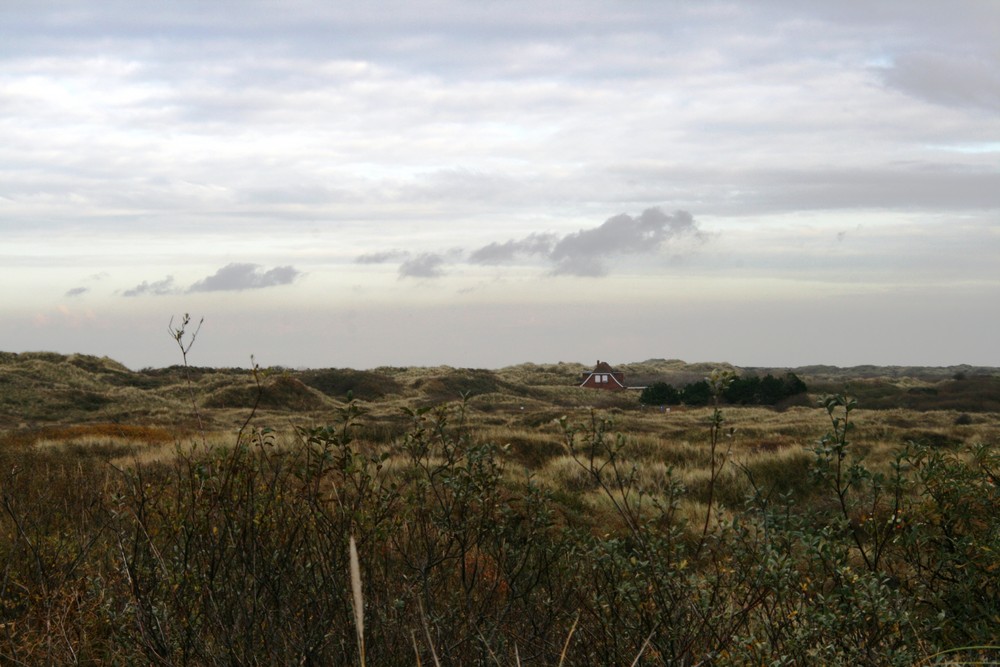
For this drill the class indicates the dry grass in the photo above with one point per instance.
(84, 404)
(768, 451)
(661, 456)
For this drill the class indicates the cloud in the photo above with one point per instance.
(586, 252)
(583, 253)
(425, 265)
(79, 291)
(949, 79)
(382, 257)
(158, 288)
(237, 277)
(502, 253)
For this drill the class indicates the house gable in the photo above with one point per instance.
(604, 377)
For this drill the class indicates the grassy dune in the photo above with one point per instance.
(203, 516)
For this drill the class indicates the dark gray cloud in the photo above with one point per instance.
(236, 277)
(583, 253)
(77, 291)
(425, 265)
(586, 252)
(158, 288)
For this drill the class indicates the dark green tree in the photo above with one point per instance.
(770, 390)
(660, 393)
(793, 385)
(742, 390)
(697, 393)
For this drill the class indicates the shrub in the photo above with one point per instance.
(240, 554)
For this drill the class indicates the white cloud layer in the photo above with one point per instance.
(465, 153)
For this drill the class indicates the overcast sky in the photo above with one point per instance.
(483, 183)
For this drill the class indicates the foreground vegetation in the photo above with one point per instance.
(503, 529)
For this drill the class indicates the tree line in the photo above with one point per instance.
(745, 390)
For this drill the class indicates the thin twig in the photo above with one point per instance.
(427, 632)
(642, 649)
(359, 609)
(562, 656)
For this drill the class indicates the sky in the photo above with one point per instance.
(483, 183)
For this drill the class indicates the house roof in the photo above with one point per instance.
(603, 367)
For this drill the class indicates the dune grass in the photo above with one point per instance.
(548, 525)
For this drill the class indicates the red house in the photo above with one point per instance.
(604, 377)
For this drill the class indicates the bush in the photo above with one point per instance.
(239, 555)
